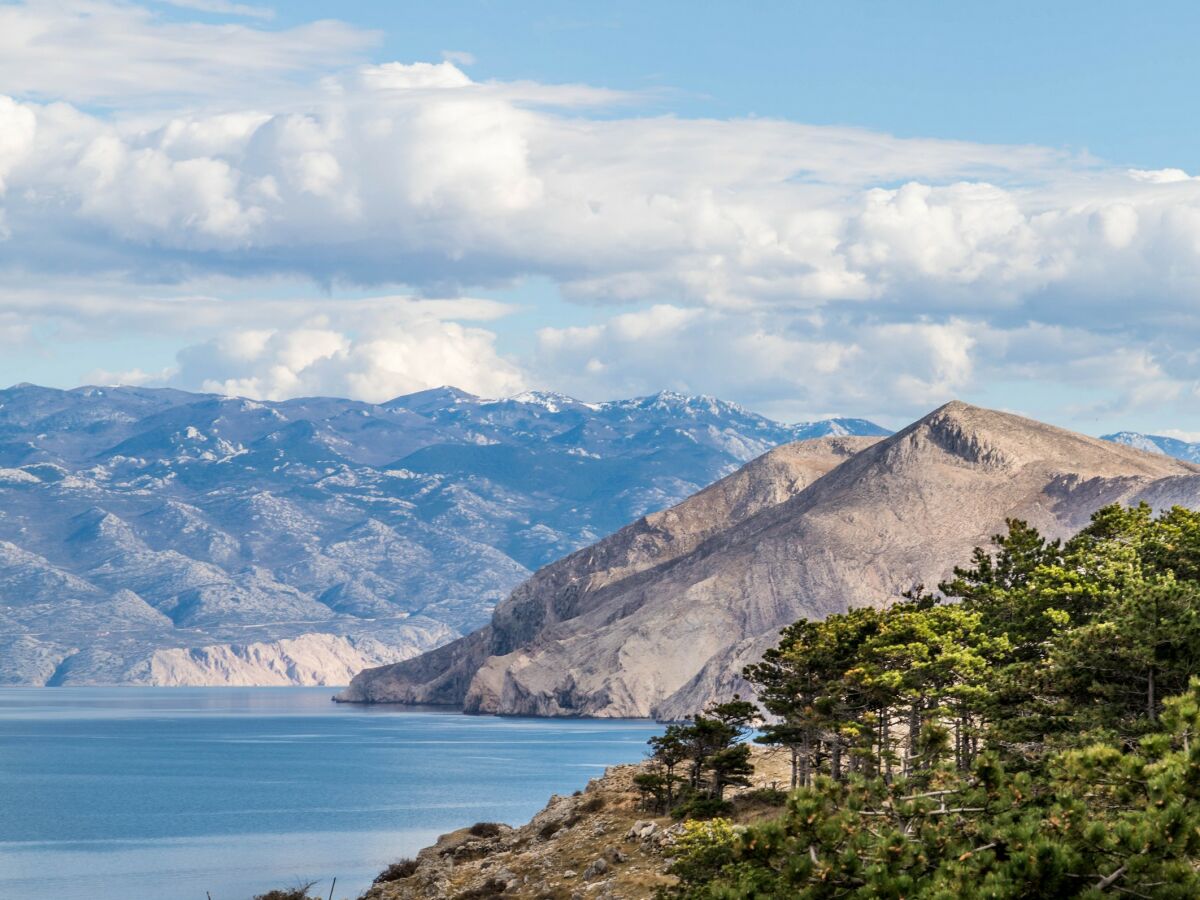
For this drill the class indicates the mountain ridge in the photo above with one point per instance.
(154, 520)
(880, 521)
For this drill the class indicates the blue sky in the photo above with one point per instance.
(859, 209)
(1112, 78)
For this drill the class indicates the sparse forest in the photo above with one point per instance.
(1027, 730)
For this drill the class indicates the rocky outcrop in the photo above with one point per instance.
(311, 659)
(559, 592)
(599, 842)
(646, 626)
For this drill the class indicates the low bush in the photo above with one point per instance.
(403, 868)
(592, 804)
(702, 807)
(765, 796)
(297, 893)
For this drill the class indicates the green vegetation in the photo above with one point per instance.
(710, 753)
(403, 868)
(300, 892)
(1028, 731)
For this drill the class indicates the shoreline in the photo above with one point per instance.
(596, 843)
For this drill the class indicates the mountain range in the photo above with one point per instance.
(1157, 443)
(659, 618)
(156, 536)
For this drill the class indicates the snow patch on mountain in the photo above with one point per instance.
(141, 525)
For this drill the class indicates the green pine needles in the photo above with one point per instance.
(1028, 731)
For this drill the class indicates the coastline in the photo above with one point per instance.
(596, 843)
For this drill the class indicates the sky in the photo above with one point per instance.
(860, 209)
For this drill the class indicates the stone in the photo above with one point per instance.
(659, 619)
(596, 868)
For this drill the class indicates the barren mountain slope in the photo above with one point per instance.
(563, 590)
(143, 530)
(665, 640)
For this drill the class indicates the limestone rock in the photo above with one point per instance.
(658, 619)
(560, 591)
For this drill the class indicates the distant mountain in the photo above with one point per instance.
(159, 536)
(660, 618)
(1157, 443)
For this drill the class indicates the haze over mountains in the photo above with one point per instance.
(159, 536)
(1157, 443)
(659, 619)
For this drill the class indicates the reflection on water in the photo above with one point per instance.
(171, 792)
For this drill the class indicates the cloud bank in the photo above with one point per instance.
(792, 266)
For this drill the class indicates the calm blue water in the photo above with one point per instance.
(165, 793)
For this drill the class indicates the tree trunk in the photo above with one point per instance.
(1151, 711)
(960, 748)
(914, 730)
(885, 742)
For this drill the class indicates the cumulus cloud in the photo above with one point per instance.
(801, 366)
(789, 265)
(375, 357)
(794, 367)
(414, 173)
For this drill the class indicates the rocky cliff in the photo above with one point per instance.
(598, 843)
(658, 619)
(559, 592)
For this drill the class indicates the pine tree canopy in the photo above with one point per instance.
(1029, 730)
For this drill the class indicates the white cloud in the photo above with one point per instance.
(459, 57)
(802, 366)
(114, 52)
(795, 367)
(1190, 437)
(368, 354)
(804, 267)
(225, 8)
(18, 124)
(414, 173)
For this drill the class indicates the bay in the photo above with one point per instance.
(169, 793)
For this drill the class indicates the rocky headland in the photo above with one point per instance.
(659, 619)
(598, 843)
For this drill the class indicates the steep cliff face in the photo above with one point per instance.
(312, 659)
(561, 591)
(588, 636)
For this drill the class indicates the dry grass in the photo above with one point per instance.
(546, 859)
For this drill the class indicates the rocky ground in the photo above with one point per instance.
(599, 843)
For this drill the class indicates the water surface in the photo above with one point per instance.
(166, 793)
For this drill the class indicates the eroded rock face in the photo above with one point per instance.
(146, 532)
(561, 591)
(312, 659)
(658, 619)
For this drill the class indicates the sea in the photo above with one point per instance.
(224, 793)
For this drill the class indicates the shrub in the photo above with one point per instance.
(403, 868)
(704, 849)
(297, 893)
(700, 806)
(593, 804)
(765, 796)
(485, 829)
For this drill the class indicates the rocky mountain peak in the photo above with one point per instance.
(660, 618)
(317, 516)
